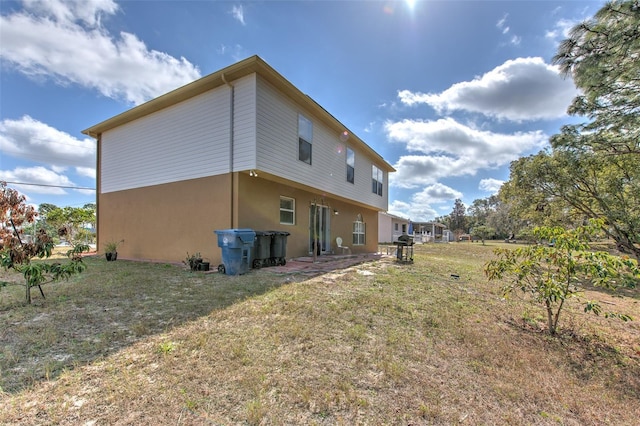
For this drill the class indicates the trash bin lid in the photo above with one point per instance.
(264, 233)
(246, 235)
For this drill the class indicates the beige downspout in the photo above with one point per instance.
(98, 187)
(231, 149)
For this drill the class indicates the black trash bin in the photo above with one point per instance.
(262, 249)
(278, 248)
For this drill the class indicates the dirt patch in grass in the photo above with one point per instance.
(378, 343)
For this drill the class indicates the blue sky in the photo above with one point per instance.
(448, 92)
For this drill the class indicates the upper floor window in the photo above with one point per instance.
(287, 211)
(351, 165)
(377, 178)
(305, 139)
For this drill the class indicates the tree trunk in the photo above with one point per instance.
(550, 323)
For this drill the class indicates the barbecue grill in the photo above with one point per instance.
(404, 249)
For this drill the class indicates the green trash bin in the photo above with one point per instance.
(236, 245)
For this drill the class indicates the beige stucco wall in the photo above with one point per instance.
(163, 222)
(259, 209)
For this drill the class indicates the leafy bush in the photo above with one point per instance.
(553, 273)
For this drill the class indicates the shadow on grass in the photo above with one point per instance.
(632, 292)
(587, 356)
(108, 307)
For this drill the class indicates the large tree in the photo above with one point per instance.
(593, 168)
(564, 188)
(458, 218)
(69, 220)
(492, 212)
(602, 55)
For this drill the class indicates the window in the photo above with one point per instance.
(404, 228)
(359, 233)
(377, 179)
(305, 138)
(395, 226)
(287, 211)
(351, 165)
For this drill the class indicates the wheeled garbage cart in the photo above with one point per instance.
(236, 245)
(261, 249)
(278, 248)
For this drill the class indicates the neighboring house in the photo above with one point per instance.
(390, 227)
(429, 232)
(239, 148)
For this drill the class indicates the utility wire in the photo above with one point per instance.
(50, 186)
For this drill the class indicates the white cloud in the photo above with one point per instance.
(88, 12)
(238, 13)
(36, 176)
(452, 149)
(521, 89)
(420, 208)
(237, 52)
(437, 193)
(65, 41)
(502, 24)
(33, 140)
(504, 28)
(560, 30)
(413, 171)
(490, 185)
(417, 212)
(86, 171)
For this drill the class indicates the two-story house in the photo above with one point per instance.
(239, 148)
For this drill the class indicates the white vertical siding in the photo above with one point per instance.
(185, 141)
(277, 151)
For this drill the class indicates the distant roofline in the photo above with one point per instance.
(393, 216)
(251, 65)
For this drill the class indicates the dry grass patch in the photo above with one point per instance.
(379, 343)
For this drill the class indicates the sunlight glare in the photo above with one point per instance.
(411, 3)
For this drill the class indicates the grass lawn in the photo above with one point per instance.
(379, 343)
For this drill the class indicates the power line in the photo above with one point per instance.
(51, 186)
